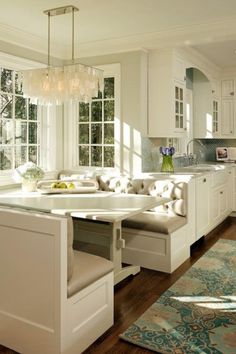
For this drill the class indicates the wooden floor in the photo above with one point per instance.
(134, 295)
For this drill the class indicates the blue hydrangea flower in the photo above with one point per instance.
(169, 151)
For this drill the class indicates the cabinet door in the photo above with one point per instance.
(227, 87)
(202, 205)
(230, 189)
(215, 117)
(215, 85)
(215, 206)
(180, 124)
(227, 117)
(179, 68)
(223, 201)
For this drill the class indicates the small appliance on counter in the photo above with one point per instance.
(226, 154)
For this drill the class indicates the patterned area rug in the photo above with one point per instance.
(198, 313)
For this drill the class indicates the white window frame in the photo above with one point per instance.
(71, 158)
(12, 62)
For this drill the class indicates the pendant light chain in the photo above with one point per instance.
(73, 36)
(49, 39)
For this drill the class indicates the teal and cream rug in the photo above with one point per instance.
(198, 313)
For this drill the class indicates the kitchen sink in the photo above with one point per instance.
(203, 168)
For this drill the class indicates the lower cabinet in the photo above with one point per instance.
(202, 205)
(219, 204)
(214, 199)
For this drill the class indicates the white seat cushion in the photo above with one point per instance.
(87, 269)
(151, 221)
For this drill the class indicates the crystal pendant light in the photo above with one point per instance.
(56, 85)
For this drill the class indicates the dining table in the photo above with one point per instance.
(108, 208)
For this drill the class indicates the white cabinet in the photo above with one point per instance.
(227, 88)
(180, 124)
(227, 117)
(230, 188)
(221, 200)
(215, 118)
(202, 205)
(219, 204)
(166, 98)
(228, 107)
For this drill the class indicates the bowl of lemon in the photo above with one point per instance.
(67, 186)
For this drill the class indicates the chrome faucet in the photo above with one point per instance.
(194, 140)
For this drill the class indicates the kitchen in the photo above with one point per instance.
(167, 80)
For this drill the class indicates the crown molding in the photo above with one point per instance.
(190, 35)
(176, 37)
(15, 63)
(26, 40)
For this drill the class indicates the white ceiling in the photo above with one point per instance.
(104, 26)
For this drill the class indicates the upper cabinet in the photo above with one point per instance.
(166, 95)
(227, 111)
(227, 89)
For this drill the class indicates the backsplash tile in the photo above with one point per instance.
(151, 157)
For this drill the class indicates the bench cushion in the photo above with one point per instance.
(151, 221)
(87, 269)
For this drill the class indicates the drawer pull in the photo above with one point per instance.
(204, 180)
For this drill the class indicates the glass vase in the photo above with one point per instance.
(167, 164)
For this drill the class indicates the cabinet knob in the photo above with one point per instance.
(232, 93)
(231, 131)
(221, 192)
(204, 180)
(213, 91)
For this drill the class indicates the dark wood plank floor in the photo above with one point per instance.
(134, 295)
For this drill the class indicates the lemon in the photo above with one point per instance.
(71, 185)
(54, 185)
(62, 185)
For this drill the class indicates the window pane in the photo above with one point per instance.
(5, 106)
(96, 111)
(109, 133)
(33, 150)
(109, 110)
(32, 111)
(20, 108)
(20, 155)
(83, 133)
(83, 112)
(21, 132)
(96, 131)
(96, 156)
(98, 96)
(84, 156)
(5, 158)
(33, 130)
(6, 80)
(109, 156)
(109, 87)
(6, 128)
(18, 86)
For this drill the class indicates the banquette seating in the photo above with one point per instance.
(53, 299)
(156, 239)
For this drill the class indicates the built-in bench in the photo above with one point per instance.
(53, 299)
(155, 239)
